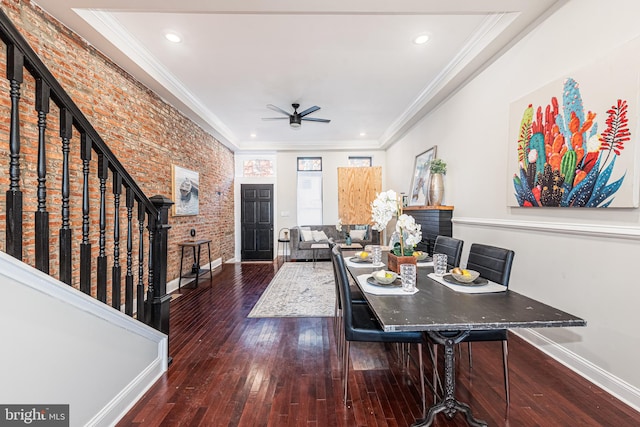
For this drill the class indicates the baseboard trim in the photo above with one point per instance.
(118, 407)
(173, 284)
(603, 379)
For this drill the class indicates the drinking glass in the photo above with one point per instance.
(408, 277)
(376, 255)
(439, 264)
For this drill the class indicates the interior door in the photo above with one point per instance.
(257, 222)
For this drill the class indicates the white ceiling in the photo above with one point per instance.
(353, 58)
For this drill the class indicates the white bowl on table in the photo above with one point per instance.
(384, 277)
(466, 278)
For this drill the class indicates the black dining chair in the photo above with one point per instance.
(356, 298)
(494, 264)
(451, 247)
(360, 325)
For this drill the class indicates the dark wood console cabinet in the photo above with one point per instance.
(435, 220)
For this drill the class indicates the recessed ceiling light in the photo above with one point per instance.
(421, 39)
(363, 134)
(253, 135)
(173, 37)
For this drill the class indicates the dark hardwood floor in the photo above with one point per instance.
(229, 370)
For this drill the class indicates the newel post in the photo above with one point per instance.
(159, 316)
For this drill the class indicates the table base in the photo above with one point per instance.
(449, 405)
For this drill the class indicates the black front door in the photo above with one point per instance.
(257, 221)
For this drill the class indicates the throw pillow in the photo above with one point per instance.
(364, 227)
(357, 234)
(319, 235)
(307, 235)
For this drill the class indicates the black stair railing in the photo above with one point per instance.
(79, 263)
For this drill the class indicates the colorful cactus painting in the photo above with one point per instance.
(563, 160)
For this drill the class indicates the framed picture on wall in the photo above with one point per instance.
(419, 194)
(185, 191)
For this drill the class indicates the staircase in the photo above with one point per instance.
(72, 210)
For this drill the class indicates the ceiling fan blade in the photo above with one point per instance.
(309, 110)
(278, 109)
(275, 118)
(313, 119)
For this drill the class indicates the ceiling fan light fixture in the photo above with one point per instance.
(296, 118)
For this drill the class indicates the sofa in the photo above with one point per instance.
(300, 247)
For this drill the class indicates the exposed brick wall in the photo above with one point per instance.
(147, 135)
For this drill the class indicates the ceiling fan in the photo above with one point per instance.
(295, 118)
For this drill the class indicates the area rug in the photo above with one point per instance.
(298, 290)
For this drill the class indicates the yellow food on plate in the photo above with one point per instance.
(457, 270)
(364, 254)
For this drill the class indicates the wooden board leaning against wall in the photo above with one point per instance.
(357, 188)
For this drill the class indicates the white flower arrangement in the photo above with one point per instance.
(339, 225)
(410, 231)
(385, 206)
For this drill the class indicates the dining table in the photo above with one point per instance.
(437, 307)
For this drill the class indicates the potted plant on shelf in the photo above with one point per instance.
(438, 169)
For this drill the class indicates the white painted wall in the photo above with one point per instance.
(285, 184)
(60, 346)
(331, 161)
(582, 265)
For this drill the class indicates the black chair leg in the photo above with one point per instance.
(421, 370)
(470, 358)
(345, 359)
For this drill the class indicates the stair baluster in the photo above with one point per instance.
(140, 289)
(15, 63)
(85, 246)
(66, 130)
(103, 174)
(116, 273)
(128, 287)
(41, 214)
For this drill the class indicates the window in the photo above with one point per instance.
(257, 168)
(360, 162)
(309, 193)
(309, 163)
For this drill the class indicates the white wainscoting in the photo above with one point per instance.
(555, 227)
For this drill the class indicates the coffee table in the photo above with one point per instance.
(314, 250)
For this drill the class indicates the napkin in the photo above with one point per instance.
(478, 289)
(384, 248)
(380, 290)
(362, 264)
(424, 263)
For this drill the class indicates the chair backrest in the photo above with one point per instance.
(491, 262)
(335, 274)
(451, 247)
(343, 287)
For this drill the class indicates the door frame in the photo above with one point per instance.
(238, 214)
(262, 253)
